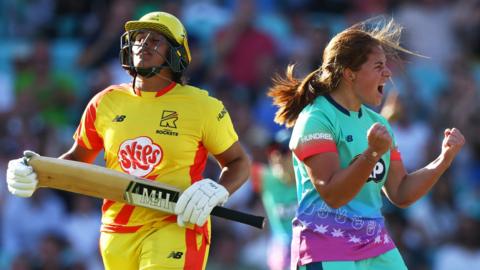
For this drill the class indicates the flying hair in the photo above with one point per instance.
(387, 32)
(348, 49)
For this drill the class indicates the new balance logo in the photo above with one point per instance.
(119, 118)
(175, 255)
(221, 114)
(168, 119)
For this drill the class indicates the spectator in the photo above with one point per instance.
(243, 52)
(276, 184)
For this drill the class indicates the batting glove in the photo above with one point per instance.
(197, 201)
(21, 179)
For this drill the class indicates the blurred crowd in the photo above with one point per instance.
(56, 54)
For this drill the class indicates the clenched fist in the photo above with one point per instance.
(379, 139)
(453, 141)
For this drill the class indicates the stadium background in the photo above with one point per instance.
(56, 54)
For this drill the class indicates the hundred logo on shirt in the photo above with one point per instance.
(316, 136)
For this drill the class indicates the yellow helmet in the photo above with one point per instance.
(169, 26)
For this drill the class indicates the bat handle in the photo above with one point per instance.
(249, 219)
(28, 155)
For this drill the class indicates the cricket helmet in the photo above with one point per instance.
(178, 56)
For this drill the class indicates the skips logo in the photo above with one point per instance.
(139, 156)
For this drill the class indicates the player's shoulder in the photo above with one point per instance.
(320, 107)
(197, 95)
(317, 115)
(193, 91)
(114, 89)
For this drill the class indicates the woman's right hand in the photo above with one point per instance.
(379, 139)
(21, 179)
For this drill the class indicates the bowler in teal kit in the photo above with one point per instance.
(352, 232)
(344, 153)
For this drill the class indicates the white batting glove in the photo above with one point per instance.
(21, 179)
(198, 200)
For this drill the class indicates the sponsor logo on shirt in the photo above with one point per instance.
(378, 172)
(316, 136)
(139, 156)
(119, 118)
(169, 119)
(166, 132)
(221, 114)
(175, 255)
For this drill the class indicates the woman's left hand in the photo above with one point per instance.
(453, 141)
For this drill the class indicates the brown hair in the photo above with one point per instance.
(348, 49)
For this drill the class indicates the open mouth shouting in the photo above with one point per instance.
(380, 88)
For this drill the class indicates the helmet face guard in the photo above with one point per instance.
(173, 58)
(177, 57)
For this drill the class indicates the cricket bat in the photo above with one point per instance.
(104, 183)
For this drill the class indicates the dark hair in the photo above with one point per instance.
(348, 49)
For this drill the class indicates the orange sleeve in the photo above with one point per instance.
(86, 134)
(314, 147)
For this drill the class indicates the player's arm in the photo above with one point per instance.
(219, 138)
(403, 189)
(235, 167)
(339, 186)
(197, 202)
(21, 178)
(80, 153)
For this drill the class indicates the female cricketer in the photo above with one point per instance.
(344, 153)
(159, 128)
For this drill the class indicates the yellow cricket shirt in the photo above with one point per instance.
(164, 136)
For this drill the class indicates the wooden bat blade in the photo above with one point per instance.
(104, 183)
(79, 178)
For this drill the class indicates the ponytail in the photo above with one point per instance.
(291, 95)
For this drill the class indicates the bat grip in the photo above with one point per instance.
(28, 155)
(249, 219)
